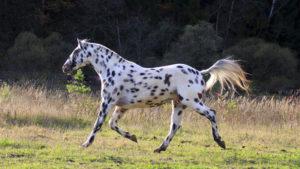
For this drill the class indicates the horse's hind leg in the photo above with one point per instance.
(210, 114)
(174, 126)
(117, 114)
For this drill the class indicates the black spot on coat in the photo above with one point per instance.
(167, 79)
(202, 82)
(179, 112)
(184, 71)
(174, 126)
(180, 97)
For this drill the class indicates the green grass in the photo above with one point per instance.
(40, 147)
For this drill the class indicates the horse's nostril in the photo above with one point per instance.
(65, 68)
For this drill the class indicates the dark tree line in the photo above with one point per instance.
(37, 35)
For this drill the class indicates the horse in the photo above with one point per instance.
(127, 85)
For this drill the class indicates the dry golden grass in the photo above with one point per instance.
(23, 104)
(28, 102)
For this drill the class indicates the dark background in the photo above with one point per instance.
(36, 36)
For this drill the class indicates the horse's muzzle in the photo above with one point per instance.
(67, 68)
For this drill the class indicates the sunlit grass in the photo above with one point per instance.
(44, 129)
(36, 147)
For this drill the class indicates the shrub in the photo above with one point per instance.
(198, 46)
(271, 66)
(158, 41)
(78, 86)
(30, 53)
(57, 50)
(27, 52)
(4, 91)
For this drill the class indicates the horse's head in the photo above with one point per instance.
(78, 58)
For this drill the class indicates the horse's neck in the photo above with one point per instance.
(110, 62)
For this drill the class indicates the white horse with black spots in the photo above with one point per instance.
(127, 85)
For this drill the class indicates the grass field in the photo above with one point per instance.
(44, 129)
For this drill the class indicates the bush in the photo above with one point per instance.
(198, 46)
(158, 41)
(31, 53)
(78, 86)
(144, 41)
(5, 91)
(271, 67)
(26, 53)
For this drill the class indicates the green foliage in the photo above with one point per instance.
(145, 31)
(232, 104)
(145, 43)
(271, 66)
(4, 91)
(30, 52)
(197, 46)
(158, 41)
(78, 86)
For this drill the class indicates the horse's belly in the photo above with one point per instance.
(155, 101)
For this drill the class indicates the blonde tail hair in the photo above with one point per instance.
(229, 73)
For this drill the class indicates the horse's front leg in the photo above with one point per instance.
(106, 105)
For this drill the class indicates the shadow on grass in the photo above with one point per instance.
(46, 121)
(8, 143)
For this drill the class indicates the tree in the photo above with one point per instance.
(30, 53)
(198, 46)
(271, 66)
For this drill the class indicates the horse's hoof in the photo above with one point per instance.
(88, 142)
(133, 138)
(85, 145)
(221, 144)
(158, 150)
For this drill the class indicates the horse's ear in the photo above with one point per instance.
(80, 43)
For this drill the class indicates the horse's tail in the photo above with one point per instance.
(229, 73)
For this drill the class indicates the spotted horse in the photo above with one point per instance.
(127, 85)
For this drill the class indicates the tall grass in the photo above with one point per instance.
(29, 105)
